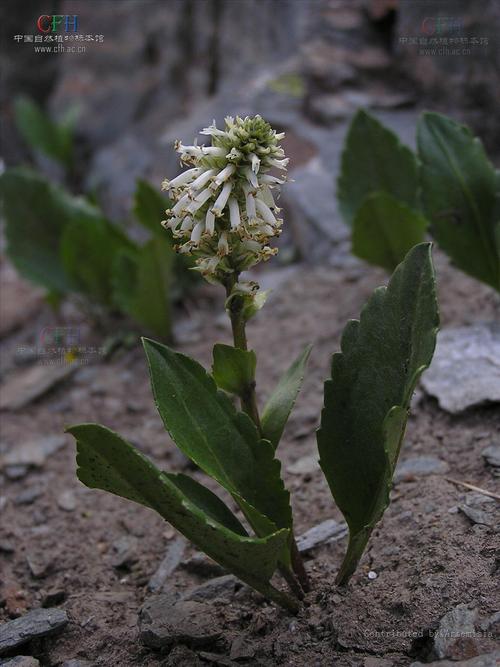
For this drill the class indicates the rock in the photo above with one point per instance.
(218, 587)
(305, 465)
(376, 662)
(124, 551)
(54, 597)
(327, 531)
(16, 472)
(39, 564)
(454, 637)
(181, 656)
(28, 496)
(7, 547)
(420, 466)
(163, 624)
(202, 565)
(171, 560)
(485, 660)
(67, 501)
(242, 649)
(465, 369)
(32, 453)
(33, 625)
(216, 659)
(23, 387)
(13, 599)
(21, 661)
(492, 455)
(77, 663)
(478, 516)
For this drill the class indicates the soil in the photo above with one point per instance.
(428, 557)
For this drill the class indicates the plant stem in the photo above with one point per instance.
(249, 405)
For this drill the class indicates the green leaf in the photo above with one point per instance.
(36, 214)
(233, 369)
(41, 133)
(282, 400)
(204, 424)
(460, 193)
(106, 461)
(149, 207)
(368, 396)
(373, 160)
(142, 282)
(385, 229)
(88, 249)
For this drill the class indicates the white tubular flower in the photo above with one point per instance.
(202, 179)
(224, 212)
(221, 201)
(265, 212)
(234, 213)
(223, 175)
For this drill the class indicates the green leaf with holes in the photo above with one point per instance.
(107, 461)
(374, 160)
(223, 442)
(367, 397)
(385, 229)
(281, 402)
(460, 195)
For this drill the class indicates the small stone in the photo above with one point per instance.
(33, 625)
(182, 656)
(67, 501)
(485, 660)
(372, 575)
(420, 466)
(28, 496)
(16, 471)
(163, 624)
(53, 597)
(202, 565)
(124, 551)
(23, 387)
(305, 465)
(464, 370)
(6, 547)
(39, 565)
(32, 453)
(21, 661)
(77, 663)
(454, 637)
(218, 587)
(492, 455)
(478, 516)
(376, 662)
(242, 649)
(168, 565)
(327, 531)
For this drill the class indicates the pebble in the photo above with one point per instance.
(33, 453)
(464, 371)
(242, 649)
(39, 565)
(23, 387)
(372, 575)
(67, 501)
(492, 455)
(327, 531)
(33, 625)
(478, 516)
(218, 587)
(163, 624)
(202, 565)
(21, 661)
(304, 466)
(485, 660)
(28, 496)
(77, 663)
(168, 565)
(454, 637)
(54, 597)
(420, 466)
(16, 471)
(124, 551)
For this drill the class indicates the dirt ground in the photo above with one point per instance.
(428, 557)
